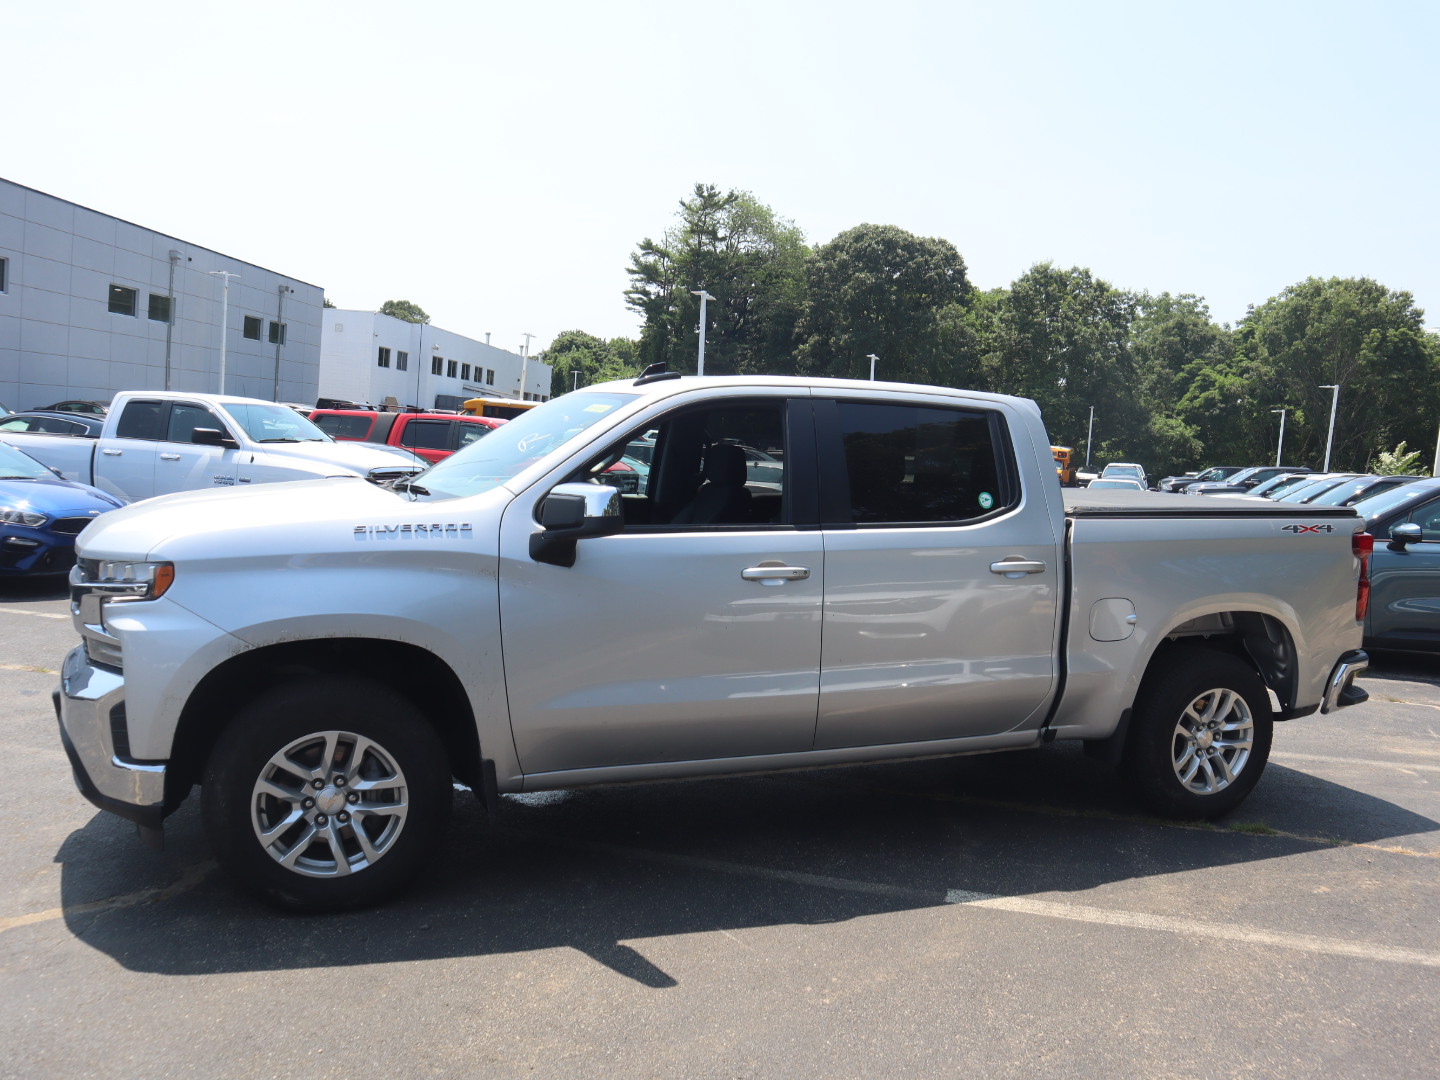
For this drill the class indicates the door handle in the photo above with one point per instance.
(775, 574)
(112, 453)
(1017, 568)
(169, 457)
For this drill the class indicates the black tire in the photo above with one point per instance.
(1199, 734)
(356, 838)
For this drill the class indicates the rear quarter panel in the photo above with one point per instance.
(1176, 562)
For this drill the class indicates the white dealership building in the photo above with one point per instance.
(91, 304)
(370, 358)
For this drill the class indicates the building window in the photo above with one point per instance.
(489, 377)
(436, 365)
(253, 324)
(384, 360)
(450, 367)
(277, 333)
(465, 372)
(159, 308)
(122, 300)
(402, 361)
(4, 275)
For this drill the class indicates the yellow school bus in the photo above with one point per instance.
(500, 408)
(1063, 466)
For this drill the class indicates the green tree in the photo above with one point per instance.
(1347, 332)
(1397, 462)
(328, 302)
(1062, 337)
(593, 359)
(738, 250)
(1172, 338)
(404, 309)
(879, 289)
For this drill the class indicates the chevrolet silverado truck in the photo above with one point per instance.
(325, 658)
(157, 442)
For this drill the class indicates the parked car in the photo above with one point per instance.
(1126, 469)
(1278, 485)
(1214, 472)
(1314, 488)
(41, 514)
(157, 441)
(87, 408)
(1122, 483)
(434, 436)
(1404, 611)
(1350, 492)
(79, 425)
(1244, 481)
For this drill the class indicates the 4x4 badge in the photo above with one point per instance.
(1297, 529)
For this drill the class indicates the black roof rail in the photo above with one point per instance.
(656, 373)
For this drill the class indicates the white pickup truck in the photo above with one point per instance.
(903, 579)
(157, 442)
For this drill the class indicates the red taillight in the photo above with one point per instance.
(1362, 545)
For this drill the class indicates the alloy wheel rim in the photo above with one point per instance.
(1212, 741)
(329, 804)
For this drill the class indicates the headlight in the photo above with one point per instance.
(13, 516)
(132, 580)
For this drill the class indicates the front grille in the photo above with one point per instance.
(70, 526)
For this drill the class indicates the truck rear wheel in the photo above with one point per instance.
(1199, 734)
(326, 794)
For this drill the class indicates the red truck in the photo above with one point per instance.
(434, 436)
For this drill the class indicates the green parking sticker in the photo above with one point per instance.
(986, 500)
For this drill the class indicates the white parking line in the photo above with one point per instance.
(1407, 766)
(1362, 950)
(37, 614)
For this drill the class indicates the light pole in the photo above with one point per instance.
(280, 336)
(872, 358)
(1280, 447)
(1089, 433)
(1334, 389)
(575, 379)
(524, 363)
(224, 319)
(704, 296)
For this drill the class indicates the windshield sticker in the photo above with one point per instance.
(986, 500)
(599, 407)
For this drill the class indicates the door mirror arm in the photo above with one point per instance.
(573, 512)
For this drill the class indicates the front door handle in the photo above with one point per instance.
(169, 457)
(112, 453)
(775, 573)
(1016, 568)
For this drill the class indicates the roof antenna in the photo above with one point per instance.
(655, 373)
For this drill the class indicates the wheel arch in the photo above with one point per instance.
(410, 671)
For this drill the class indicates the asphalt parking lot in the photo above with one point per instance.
(1000, 916)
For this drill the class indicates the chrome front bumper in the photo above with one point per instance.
(90, 706)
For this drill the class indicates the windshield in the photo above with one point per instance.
(275, 423)
(505, 452)
(15, 465)
(1385, 501)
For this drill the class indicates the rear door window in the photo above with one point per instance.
(918, 464)
(142, 420)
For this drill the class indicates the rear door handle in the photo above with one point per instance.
(112, 453)
(169, 457)
(1016, 568)
(775, 574)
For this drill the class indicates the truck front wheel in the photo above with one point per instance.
(1199, 734)
(326, 794)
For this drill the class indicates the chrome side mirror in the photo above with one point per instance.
(574, 512)
(1409, 533)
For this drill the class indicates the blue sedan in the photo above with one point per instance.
(41, 514)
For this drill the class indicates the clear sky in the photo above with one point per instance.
(498, 163)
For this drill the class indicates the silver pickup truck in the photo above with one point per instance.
(807, 573)
(157, 442)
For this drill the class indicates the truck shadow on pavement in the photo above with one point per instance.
(603, 870)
